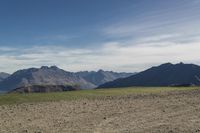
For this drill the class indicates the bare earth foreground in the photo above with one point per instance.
(171, 111)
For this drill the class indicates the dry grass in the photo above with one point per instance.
(83, 94)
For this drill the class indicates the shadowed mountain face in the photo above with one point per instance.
(43, 76)
(164, 75)
(101, 77)
(3, 76)
(44, 89)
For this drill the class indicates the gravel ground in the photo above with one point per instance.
(170, 112)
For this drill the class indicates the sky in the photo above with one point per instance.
(118, 35)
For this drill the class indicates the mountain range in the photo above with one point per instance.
(54, 76)
(101, 77)
(47, 79)
(164, 75)
(43, 76)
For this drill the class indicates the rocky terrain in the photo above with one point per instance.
(165, 112)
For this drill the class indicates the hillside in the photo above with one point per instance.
(164, 75)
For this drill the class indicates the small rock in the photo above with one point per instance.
(25, 131)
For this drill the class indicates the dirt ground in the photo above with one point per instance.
(170, 112)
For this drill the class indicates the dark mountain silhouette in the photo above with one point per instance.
(101, 77)
(164, 75)
(44, 88)
(43, 76)
(3, 76)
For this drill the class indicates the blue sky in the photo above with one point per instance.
(119, 35)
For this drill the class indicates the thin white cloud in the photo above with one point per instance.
(159, 37)
(7, 49)
(180, 19)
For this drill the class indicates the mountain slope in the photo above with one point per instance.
(101, 77)
(3, 76)
(164, 75)
(43, 76)
(44, 88)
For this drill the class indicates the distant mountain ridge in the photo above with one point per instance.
(29, 79)
(3, 76)
(43, 76)
(164, 75)
(100, 77)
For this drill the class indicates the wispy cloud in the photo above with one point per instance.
(182, 18)
(7, 49)
(110, 56)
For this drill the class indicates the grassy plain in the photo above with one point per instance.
(84, 94)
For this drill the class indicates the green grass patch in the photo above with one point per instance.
(83, 94)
